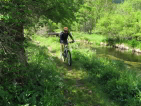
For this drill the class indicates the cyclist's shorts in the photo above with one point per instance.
(64, 41)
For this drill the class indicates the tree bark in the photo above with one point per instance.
(19, 39)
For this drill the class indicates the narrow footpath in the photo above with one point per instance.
(78, 91)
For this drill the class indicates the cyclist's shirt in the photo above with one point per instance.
(64, 37)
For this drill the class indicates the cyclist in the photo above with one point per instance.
(64, 38)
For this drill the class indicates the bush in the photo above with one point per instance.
(123, 92)
(133, 43)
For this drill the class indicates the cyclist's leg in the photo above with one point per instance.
(66, 43)
(63, 43)
(62, 48)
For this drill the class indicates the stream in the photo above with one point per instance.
(129, 58)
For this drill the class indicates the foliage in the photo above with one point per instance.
(134, 43)
(40, 85)
(118, 82)
(78, 90)
(124, 22)
(36, 81)
(35, 9)
(89, 14)
(24, 82)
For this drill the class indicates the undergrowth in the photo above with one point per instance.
(38, 84)
(120, 84)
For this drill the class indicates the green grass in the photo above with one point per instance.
(91, 80)
(94, 38)
(37, 84)
(78, 90)
(44, 71)
(121, 84)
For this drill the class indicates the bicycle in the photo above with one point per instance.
(67, 55)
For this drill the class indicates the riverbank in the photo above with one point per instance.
(123, 52)
(95, 39)
(123, 47)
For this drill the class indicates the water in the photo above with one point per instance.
(129, 58)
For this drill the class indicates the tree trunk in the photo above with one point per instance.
(19, 39)
(19, 36)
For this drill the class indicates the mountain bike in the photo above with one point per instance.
(66, 55)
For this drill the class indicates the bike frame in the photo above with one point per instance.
(66, 49)
(67, 54)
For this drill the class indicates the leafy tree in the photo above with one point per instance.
(19, 86)
(90, 13)
(17, 15)
(123, 22)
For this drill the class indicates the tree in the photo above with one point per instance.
(89, 13)
(17, 15)
(123, 23)
(17, 81)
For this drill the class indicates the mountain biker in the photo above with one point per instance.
(64, 38)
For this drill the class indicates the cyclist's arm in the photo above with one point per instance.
(71, 37)
(60, 34)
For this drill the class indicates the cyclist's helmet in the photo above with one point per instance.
(66, 29)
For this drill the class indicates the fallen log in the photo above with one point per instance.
(53, 33)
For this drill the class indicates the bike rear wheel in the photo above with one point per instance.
(69, 59)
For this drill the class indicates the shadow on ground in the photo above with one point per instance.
(78, 90)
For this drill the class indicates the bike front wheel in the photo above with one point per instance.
(69, 59)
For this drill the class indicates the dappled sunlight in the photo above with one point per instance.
(79, 90)
(91, 79)
(100, 65)
(76, 74)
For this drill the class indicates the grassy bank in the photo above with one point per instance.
(92, 80)
(97, 39)
(121, 84)
(91, 38)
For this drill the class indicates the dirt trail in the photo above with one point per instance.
(78, 91)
